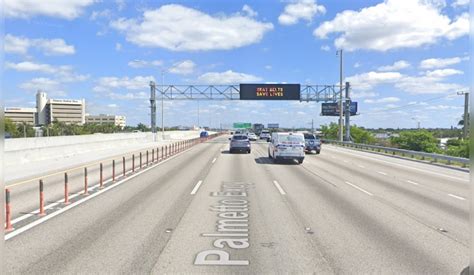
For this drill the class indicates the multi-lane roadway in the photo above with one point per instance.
(208, 211)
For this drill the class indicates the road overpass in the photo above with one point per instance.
(343, 211)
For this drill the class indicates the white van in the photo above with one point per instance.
(286, 146)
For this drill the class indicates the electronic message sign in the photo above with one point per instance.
(332, 109)
(269, 91)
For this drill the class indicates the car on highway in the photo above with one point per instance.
(312, 143)
(252, 136)
(239, 143)
(204, 134)
(265, 134)
(286, 146)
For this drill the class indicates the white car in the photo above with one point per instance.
(286, 146)
(252, 136)
(265, 134)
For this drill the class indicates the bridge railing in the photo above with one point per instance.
(435, 158)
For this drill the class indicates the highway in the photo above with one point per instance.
(343, 211)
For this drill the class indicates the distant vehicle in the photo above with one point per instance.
(239, 143)
(312, 143)
(136, 131)
(238, 132)
(257, 128)
(8, 135)
(286, 146)
(265, 134)
(252, 136)
(204, 134)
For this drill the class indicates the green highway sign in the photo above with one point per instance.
(242, 125)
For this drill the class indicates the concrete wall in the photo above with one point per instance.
(23, 150)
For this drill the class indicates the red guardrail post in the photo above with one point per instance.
(153, 155)
(113, 170)
(66, 189)
(41, 208)
(162, 152)
(146, 157)
(8, 213)
(86, 192)
(140, 160)
(123, 166)
(101, 176)
(133, 163)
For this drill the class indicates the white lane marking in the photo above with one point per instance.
(457, 197)
(333, 157)
(214, 160)
(361, 166)
(360, 189)
(394, 163)
(412, 182)
(277, 185)
(382, 173)
(346, 161)
(196, 187)
(76, 203)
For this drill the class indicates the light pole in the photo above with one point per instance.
(466, 113)
(341, 108)
(417, 122)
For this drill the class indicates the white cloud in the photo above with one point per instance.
(383, 100)
(128, 96)
(69, 9)
(118, 47)
(179, 28)
(21, 45)
(184, 67)
(249, 11)
(460, 3)
(367, 81)
(325, 48)
(357, 65)
(62, 73)
(426, 85)
(100, 14)
(268, 67)
(363, 94)
(227, 77)
(433, 63)
(401, 64)
(110, 83)
(137, 63)
(443, 73)
(120, 4)
(28, 66)
(112, 105)
(300, 10)
(40, 83)
(393, 24)
(442, 107)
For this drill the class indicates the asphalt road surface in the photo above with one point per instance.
(208, 211)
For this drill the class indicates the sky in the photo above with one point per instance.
(406, 60)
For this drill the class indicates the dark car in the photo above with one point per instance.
(204, 134)
(239, 143)
(312, 144)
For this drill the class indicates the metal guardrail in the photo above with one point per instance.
(401, 152)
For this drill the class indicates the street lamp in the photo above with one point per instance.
(417, 121)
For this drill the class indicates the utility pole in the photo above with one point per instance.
(312, 126)
(341, 108)
(466, 113)
(198, 116)
(153, 108)
(348, 112)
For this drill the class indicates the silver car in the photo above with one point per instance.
(239, 143)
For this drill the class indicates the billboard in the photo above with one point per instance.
(242, 125)
(332, 109)
(273, 126)
(269, 91)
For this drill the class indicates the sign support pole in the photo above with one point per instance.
(348, 113)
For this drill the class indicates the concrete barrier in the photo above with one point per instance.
(25, 150)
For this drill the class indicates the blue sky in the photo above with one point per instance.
(405, 59)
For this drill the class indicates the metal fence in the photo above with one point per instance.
(436, 158)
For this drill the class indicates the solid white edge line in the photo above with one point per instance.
(395, 163)
(76, 203)
(457, 197)
(214, 160)
(360, 189)
(277, 185)
(382, 173)
(196, 187)
(361, 166)
(412, 182)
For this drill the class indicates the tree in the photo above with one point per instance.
(25, 127)
(142, 127)
(420, 140)
(11, 128)
(358, 134)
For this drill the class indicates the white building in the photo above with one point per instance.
(21, 115)
(119, 121)
(70, 111)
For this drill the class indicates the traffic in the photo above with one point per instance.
(282, 146)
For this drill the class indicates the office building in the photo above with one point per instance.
(104, 119)
(70, 111)
(21, 115)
